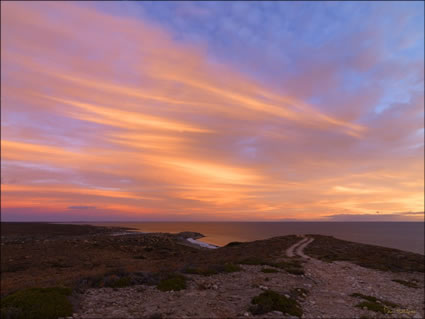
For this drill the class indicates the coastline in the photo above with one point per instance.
(407, 236)
(105, 272)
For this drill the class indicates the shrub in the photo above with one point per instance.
(292, 266)
(409, 284)
(174, 282)
(272, 301)
(200, 271)
(253, 261)
(212, 269)
(37, 303)
(120, 282)
(373, 303)
(228, 268)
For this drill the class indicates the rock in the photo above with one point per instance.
(215, 287)
(277, 313)
(246, 314)
(263, 287)
(287, 296)
(417, 315)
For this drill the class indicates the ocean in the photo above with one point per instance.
(408, 236)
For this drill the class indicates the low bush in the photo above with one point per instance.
(291, 266)
(212, 269)
(272, 301)
(37, 303)
(409, 284)
(173, 282)
(374, 304)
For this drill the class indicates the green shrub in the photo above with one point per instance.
(373, 303)
(120, 282)
(272, 301)
(409, 284)
(173, 282)
(37, 303)
(372, 306)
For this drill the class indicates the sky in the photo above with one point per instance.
(206, 111)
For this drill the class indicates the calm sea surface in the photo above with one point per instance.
(407, 236)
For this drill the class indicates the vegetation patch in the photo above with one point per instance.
(374, 304)
(233, 243)
(291, 266)
(113, 279)
(255, 261)
(14, 267)
(272, 301)
(269, 270)
(173, 282)
(329, 249)
(60, 264)
(37, 303)
(120, 282)
(410, 284)
(229, 267)
(203, 271)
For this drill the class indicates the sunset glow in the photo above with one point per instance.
(201, 111)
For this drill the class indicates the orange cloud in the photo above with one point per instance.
(110, 112)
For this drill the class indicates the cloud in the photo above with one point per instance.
(113, 111)
(81, 207)
(375, 217)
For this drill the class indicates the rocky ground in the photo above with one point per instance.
(326, 293)
(120, 276)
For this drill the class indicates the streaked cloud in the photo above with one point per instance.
(139, 117)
